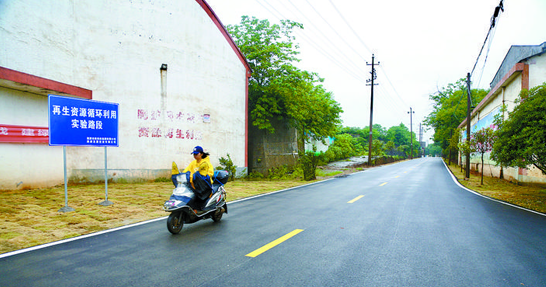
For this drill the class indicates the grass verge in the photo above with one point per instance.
(32, 217)
(532, 197)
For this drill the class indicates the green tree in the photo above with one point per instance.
(465, 148)
(404, 150)
(227, 164)
(279, 90)
(521, 138)
(389, 147)
(449, 110)
(399, 135)
(344, 146)
(454, 143)
(362, 135)
(377, 148)
(481, 142)
(434, 150)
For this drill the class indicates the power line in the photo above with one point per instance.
(327, 40)
(350, 27)
(496, 14)
(389, 104)
(390, 83)
(486, 55)
(340, 59)
(315, 45)
(334, 30)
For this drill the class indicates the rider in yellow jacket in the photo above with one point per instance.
(201, 173)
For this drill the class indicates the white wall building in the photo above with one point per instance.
(523, 67)
(113, 51)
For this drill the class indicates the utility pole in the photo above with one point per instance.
(411, 112)
(468, 101)
(420, 140)
(498, 9)
(373, 77)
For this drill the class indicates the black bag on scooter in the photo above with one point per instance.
(221, 176)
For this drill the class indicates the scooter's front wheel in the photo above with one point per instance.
(217, 215)
(175, 222)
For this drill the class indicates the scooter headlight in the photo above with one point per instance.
(171, 204)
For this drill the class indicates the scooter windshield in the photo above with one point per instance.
(182, 193)
(181, 178)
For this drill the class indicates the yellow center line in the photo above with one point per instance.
(356, 198)
(383, 183)
(397, 176)
(273, 243)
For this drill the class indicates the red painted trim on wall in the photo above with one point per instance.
(525, 77)
(517, 68)
(246, 123)
(23, 134)
(242, 58)
(42, 83)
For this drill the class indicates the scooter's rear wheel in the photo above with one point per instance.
(175, 222)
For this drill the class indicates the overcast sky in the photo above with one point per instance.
(422, 45)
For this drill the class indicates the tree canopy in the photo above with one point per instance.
(449, 110)
(481, 142)
(279, 90)
(392, 141)
(521, 138)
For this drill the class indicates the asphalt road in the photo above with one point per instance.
(406, 224)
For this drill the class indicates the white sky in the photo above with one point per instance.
(422, 45)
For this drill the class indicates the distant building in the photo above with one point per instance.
(321, 146)
(178, 77)
(523, 67)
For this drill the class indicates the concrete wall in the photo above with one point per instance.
(268, 150)
(537, 70)
(507, 93)
(116, 49)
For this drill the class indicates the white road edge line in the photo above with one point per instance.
(496, 200)
(76, 238)
(24, 250)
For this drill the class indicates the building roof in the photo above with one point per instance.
(516, 54)
(511, 67)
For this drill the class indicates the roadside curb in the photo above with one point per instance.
(484, 196)
(45, 245)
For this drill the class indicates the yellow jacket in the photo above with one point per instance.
(204, 167)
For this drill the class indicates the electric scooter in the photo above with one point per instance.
(184, 204)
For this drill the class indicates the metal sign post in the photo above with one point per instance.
(79, 122)
(106, 202)
(66, 208)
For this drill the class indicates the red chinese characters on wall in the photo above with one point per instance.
(23, 134)
(150, 118)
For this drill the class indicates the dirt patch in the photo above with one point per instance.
(353, 162)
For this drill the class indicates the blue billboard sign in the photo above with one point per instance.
(79, 122)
